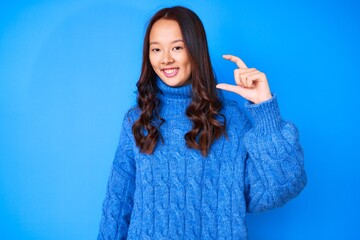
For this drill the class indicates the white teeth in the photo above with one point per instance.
(169, 71)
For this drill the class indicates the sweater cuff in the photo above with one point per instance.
(266, 115)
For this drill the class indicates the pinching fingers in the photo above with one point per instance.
(238, 79)
(243, 77)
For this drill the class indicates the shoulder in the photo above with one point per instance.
(233, 112)
(130, 116)
(237, 121)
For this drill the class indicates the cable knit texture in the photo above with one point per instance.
(176, 193)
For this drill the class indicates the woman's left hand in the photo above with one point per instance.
(251, 84)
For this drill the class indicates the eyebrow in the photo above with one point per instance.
(178, 40)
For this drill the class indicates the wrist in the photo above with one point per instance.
(263, 98)
(265, 115)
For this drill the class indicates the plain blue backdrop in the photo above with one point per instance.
(68, 71)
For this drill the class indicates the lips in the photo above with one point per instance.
(170, 72)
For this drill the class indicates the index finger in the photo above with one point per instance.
(240, 63)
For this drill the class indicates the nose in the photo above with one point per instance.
(166, 58)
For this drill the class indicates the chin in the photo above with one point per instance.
(171, 83)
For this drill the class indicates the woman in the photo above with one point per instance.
(189, 165)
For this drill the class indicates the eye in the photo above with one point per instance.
(155, 49)
(177, 48)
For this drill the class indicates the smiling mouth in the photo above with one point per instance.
(170, 72)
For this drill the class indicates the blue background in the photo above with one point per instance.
(68, 71)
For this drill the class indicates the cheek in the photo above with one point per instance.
(186, 61)
(153, 60)
(188, 66)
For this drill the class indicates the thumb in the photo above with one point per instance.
(231, 88)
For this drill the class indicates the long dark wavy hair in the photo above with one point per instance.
(204, 109)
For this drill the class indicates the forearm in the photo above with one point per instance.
(275, 166)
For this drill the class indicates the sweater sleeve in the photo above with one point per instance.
(118, 203)
(274, 169)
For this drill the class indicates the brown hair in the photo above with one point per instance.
(205, 105)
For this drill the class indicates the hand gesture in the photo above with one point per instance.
(251, 84)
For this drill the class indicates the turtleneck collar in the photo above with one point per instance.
(182, 92)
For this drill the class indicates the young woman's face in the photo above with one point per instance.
(167, 53)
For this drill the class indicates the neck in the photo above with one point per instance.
(168, 92)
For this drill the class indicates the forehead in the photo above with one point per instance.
(165, 30)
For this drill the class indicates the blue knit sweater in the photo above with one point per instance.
(176, 193)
